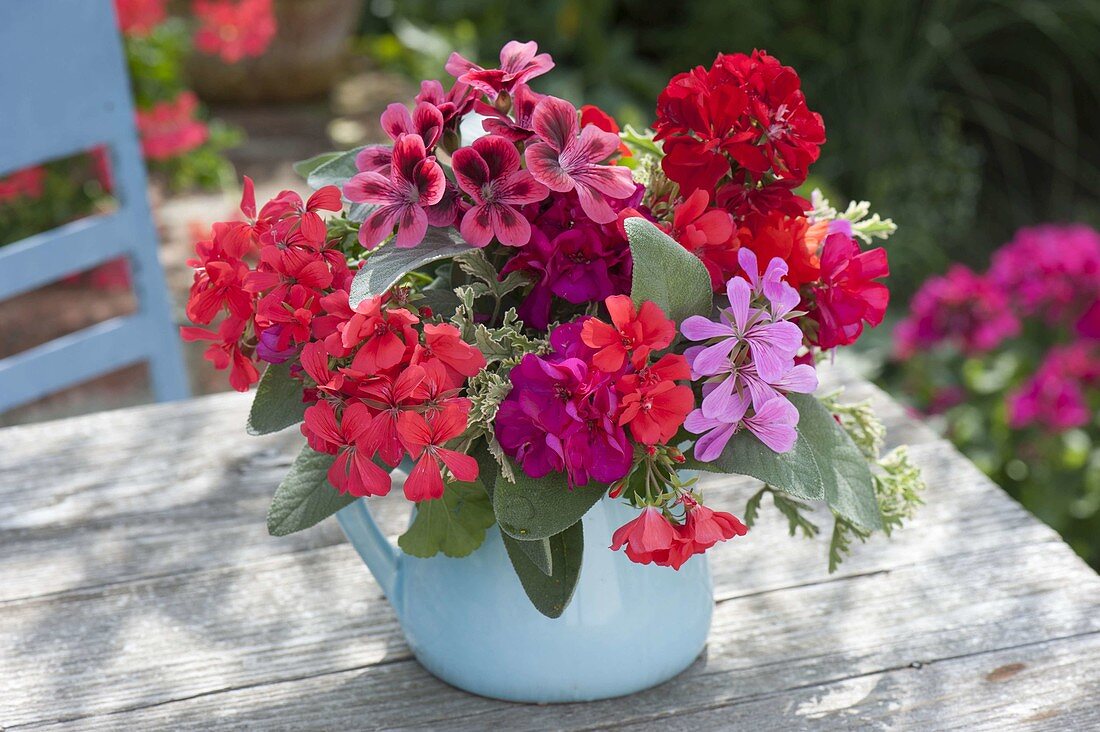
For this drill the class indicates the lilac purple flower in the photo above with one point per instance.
(748, 362)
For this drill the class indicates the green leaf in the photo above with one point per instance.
(550, 593)
(823, 465)
(278, 401)
(305, 496)
(305, 167)
(849, 485)
(666, 273)
(454, 524)
(538, 552)
(335, 171)
(383, 269)
(538, 508)
(443, 303)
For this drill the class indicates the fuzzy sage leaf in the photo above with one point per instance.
(666, 273)
(383, 269)
(551, 592)
(278, 401)
(305, 496)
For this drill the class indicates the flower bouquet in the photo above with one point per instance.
(544, 317)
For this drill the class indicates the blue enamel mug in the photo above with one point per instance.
(467, 620)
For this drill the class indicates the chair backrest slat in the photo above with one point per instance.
(65, 90)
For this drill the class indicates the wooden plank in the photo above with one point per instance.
(761, 645)
(1044, 686)
(209, 520)
(316, 612)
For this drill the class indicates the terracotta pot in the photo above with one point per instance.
(304, 60)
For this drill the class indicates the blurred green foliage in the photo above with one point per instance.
(961, 120)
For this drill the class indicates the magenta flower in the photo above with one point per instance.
(519, 63)
(452, 105)
(559, 415)
(415, 182)
(564, 161)
(489, 172)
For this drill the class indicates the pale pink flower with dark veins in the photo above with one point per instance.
(415, 182)
(519, 63)
(489, 172)
(564, 161)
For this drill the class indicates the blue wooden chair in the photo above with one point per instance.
(63, 91)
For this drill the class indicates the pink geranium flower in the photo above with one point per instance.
(489, 172)
(519, 63)
(564, 161)
(415, 182)
(425, 120)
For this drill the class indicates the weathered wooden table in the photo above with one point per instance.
(139, 589)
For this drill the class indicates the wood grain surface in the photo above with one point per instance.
(139, 590)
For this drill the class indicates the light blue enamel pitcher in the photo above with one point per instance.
(468, 621)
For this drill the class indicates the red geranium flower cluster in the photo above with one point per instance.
(273, 308)
(738, 129)
(658, 538)
(387, 385)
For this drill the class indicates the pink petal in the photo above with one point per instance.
(520, 188)
(499, 154)
(375, 158)
(714, 359)
(802, 379)
(471, 171)
(477, 226)
(555, 121)
(739, 294)
(378, 226)
(411, 227)
(774, 424)
(515, 55)
(709, 447)
(408, 153)
(543, 163)
(427, 121)
(724, 402)
(397, 121)
(511, 228)
(614, 181)
(370, 187)
(430, 182)
(595, 205)
(457, 65)
(594, 146)
(698, 328)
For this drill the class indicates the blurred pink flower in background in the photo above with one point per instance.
(170, 128)
(234, 29)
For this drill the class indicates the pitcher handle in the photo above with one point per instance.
(375, 549)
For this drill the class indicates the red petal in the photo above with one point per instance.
(248, 199)
(325, 199)
(425, 483)
(462, 466)
(471, 171)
